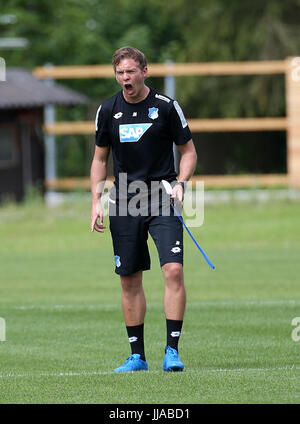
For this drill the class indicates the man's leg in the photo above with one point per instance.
(133, 299)
(129, 236)
(175, 295)
(134, 311)
(167, 233)
(174, 301)
(174, 306)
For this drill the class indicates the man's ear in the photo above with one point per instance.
(145, 72)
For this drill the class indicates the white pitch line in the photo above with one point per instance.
(189, 371)
(109, 306)
(284, 368)
(55, 374)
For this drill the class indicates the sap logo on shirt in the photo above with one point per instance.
(132, 132)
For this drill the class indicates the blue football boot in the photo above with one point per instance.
(172, 361)
(133, 363)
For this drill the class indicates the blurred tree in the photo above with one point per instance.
(218, 30)
(77, 32)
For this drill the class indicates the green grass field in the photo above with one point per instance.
(60, 299)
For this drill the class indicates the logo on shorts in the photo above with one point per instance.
(132, 132)
(176, 250)
(153, 112)
(117, 261)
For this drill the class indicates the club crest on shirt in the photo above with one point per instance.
(153, 112)
(117, 261)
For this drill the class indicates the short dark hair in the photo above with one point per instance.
(130, 52)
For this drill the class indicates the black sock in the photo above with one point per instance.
(136, 339)
(173, 332)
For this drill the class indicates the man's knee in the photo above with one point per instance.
(173, 272)
(131, 283)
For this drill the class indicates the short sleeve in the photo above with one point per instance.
(102, 137)
(178, 125)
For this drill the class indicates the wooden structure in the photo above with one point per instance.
(22, 100)
(293, 119)
(290, 123)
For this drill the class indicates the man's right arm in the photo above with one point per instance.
(98, 178)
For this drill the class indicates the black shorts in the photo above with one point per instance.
(130, 235)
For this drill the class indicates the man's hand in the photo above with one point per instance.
(97, 218)
(178, 192)
(98, 177)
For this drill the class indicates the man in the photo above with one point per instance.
(140, 125)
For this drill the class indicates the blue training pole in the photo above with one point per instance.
(192, 237)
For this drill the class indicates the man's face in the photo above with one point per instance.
(131, 78)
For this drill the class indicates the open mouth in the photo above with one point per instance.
(128, 87)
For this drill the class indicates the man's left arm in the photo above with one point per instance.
(187, 166)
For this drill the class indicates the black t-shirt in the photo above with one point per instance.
(141, 135)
